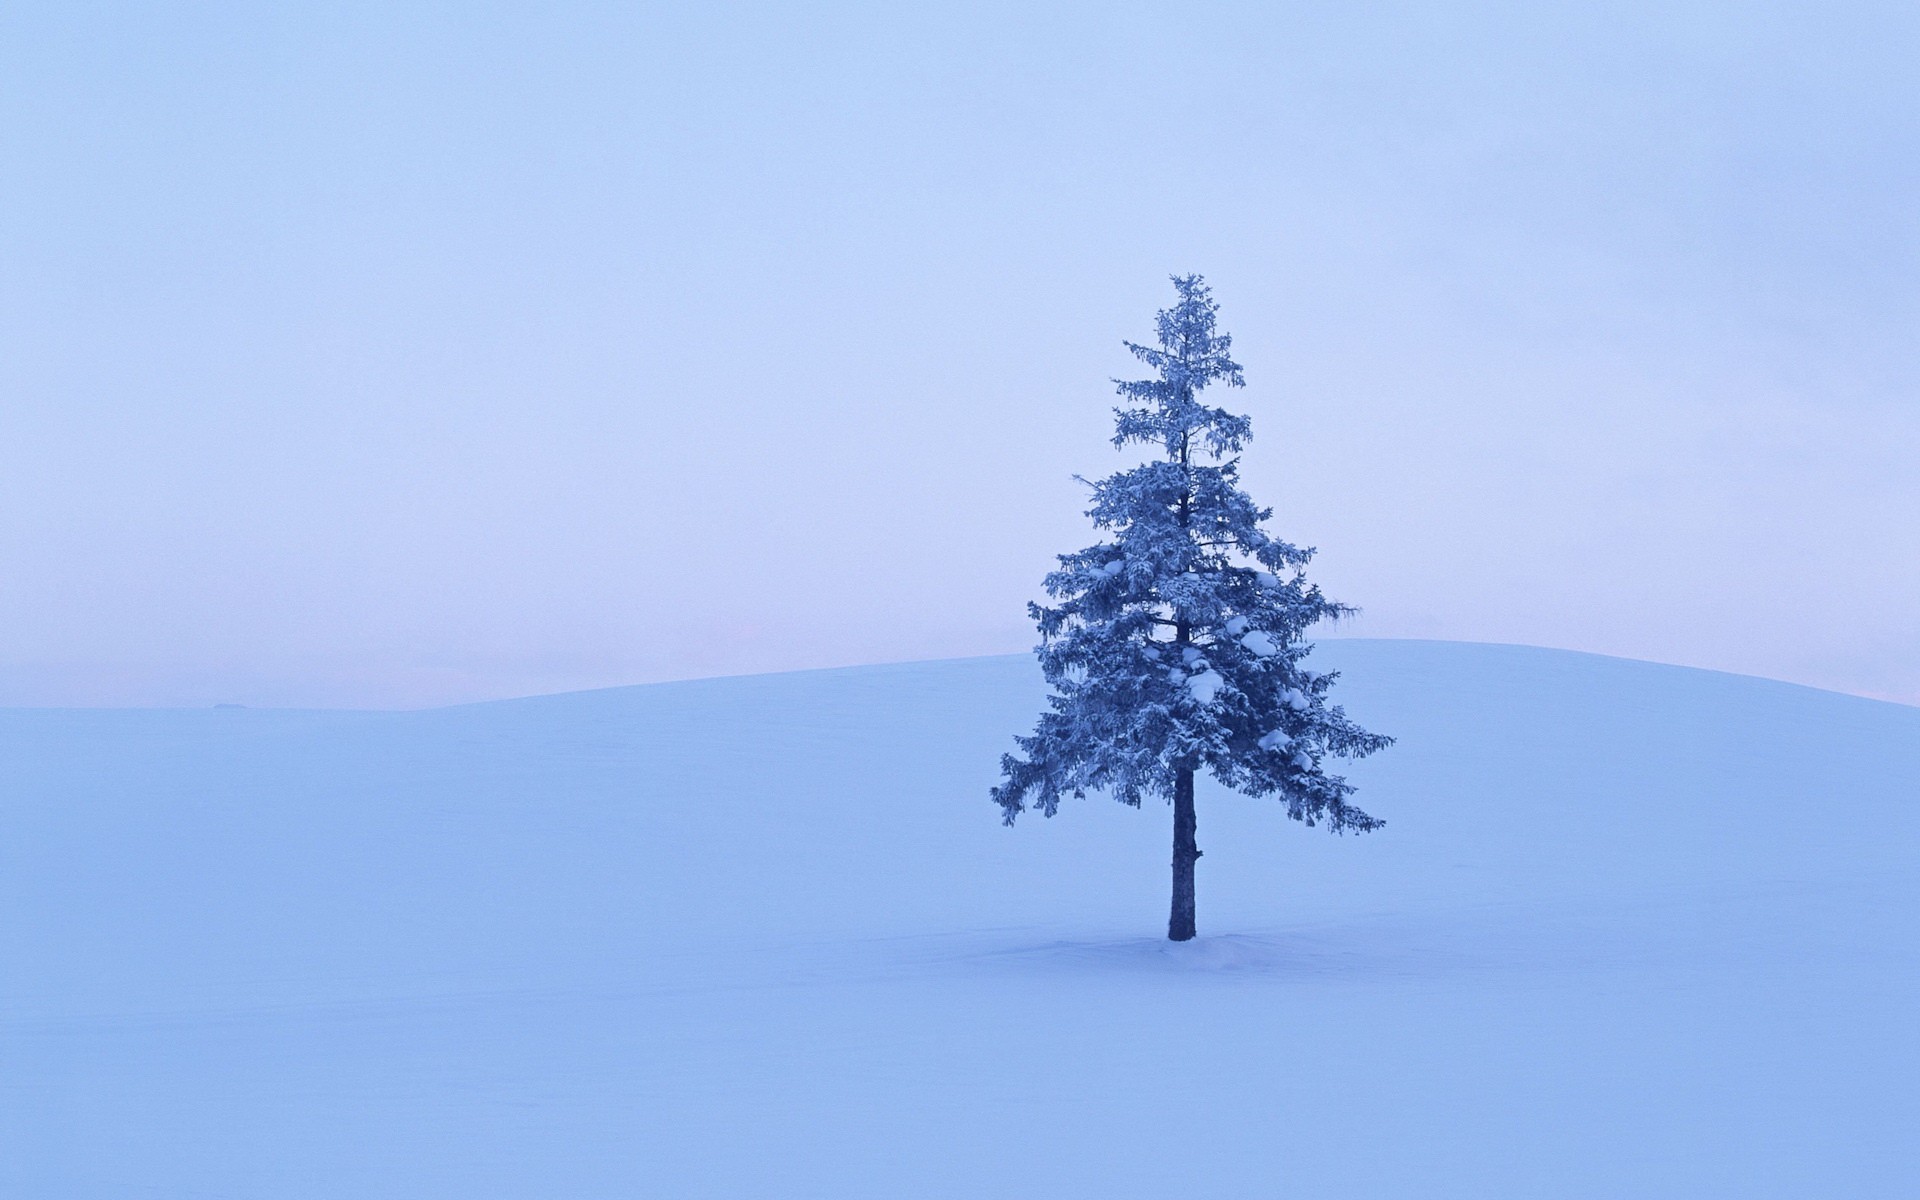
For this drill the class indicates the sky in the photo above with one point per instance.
(402, 354)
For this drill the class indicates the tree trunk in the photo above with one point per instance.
(1180, 924)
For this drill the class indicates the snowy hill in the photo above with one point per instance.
(1630, 930)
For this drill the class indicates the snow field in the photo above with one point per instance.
(1629, 930)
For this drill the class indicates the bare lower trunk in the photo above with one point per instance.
(1180, 924)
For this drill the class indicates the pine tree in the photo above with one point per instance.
(1177, 645)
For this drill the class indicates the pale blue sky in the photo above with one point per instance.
(400, 353)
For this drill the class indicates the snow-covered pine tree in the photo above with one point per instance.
(1178, 644)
